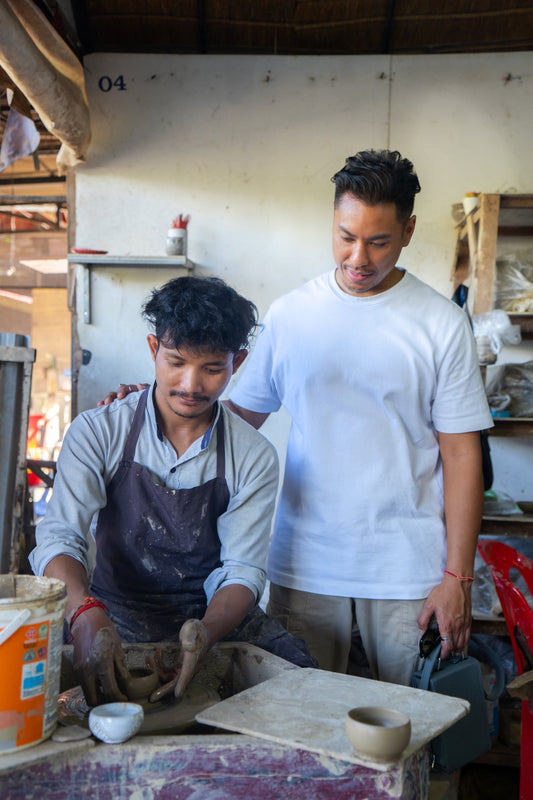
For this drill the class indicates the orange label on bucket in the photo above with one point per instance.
(23, 684)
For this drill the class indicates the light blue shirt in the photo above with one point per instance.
(89, 457)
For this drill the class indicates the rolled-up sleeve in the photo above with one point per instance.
(78, 493)
(244, 528)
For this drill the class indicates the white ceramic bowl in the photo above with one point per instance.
(115, 722)
(378, 733)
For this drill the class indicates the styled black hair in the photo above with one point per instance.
(200, 313)
(379, 176)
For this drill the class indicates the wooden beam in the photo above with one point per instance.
(522, 686)
(472, 242)
(485, 274)
(512, 426)
(515, 230)
(461, 262)
(516, 201)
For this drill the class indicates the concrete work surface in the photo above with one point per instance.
(306, 709)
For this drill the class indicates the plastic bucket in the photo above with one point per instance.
(31, 638)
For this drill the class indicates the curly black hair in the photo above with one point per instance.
(379, 176)
(200, 313)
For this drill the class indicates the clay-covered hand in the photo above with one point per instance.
(98, 657)
(123, 391)
(194, 646)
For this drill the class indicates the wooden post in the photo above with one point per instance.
(485, 270)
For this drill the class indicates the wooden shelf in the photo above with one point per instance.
(512, 426)
(507, 525)
(108, 260)
(477, 234)
(489, 626)
(497, 215)
(500, 755)
(90, 260)
(526, 324)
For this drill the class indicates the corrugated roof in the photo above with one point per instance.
(283, 27)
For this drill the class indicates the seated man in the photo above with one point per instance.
(179, 494)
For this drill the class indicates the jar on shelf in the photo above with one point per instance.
(176, 242)
(485, 353)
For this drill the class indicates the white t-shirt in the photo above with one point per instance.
(367, 381)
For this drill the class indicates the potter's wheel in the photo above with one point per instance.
(168, 715)
(164, 717)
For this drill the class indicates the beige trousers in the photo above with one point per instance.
(388, 628)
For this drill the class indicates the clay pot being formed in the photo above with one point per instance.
(141, 683)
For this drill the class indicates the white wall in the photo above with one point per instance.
(247, 146)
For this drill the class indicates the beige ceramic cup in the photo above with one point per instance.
(378, 733)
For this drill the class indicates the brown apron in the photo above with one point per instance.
(155, 548)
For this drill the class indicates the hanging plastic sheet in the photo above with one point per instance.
(41, 68)
(21, 138)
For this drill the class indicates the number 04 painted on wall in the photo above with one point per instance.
(106, 84)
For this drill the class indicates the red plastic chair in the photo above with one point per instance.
(34, 447)
(501, 559)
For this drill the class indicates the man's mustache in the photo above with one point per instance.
(186, 396)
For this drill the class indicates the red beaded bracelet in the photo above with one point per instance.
(459, 577)
(88, 602)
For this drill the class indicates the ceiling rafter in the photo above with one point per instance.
(284, 27)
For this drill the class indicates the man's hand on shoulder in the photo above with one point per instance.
(253, 418)
(123, 391)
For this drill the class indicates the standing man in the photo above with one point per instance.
(179, 493)
(382, 497)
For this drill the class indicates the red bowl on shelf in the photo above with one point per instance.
(85, 251)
